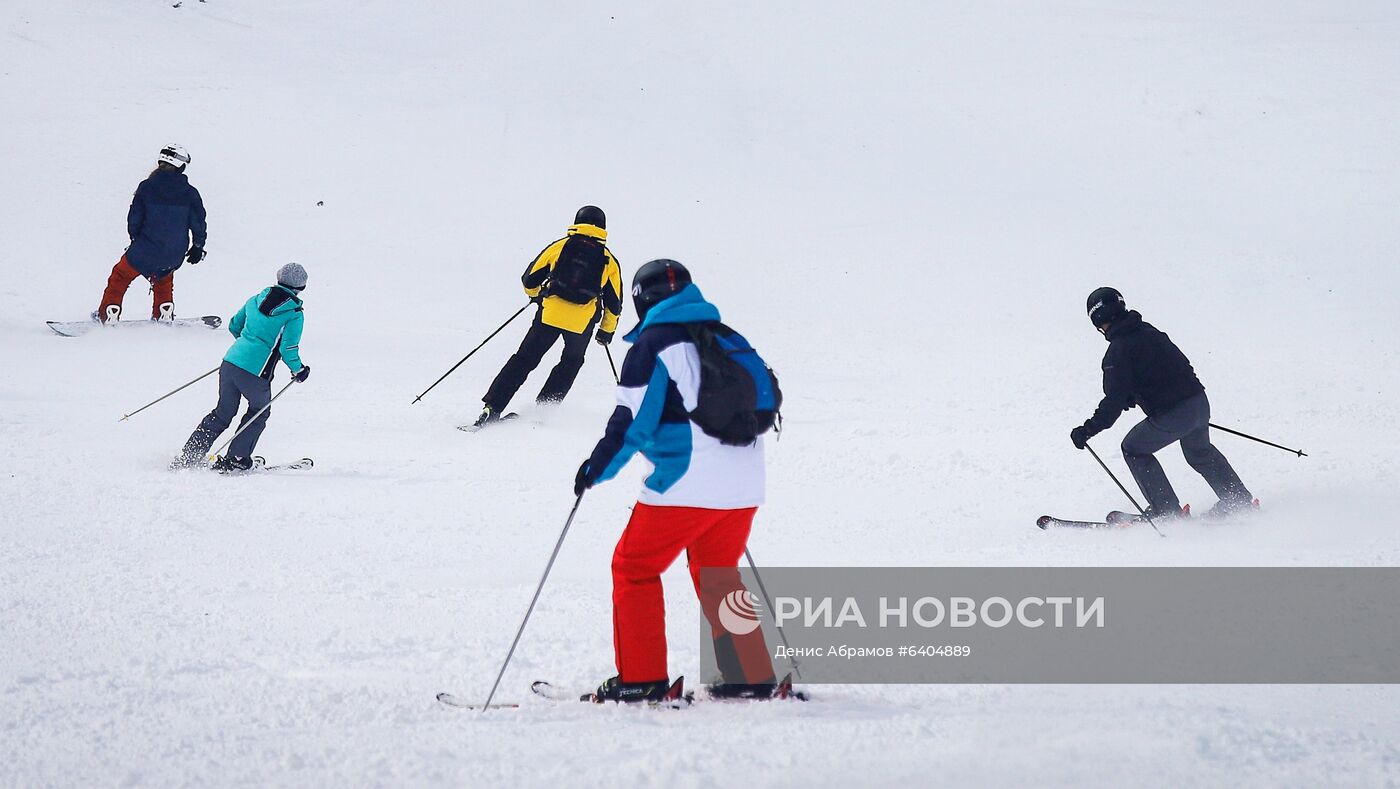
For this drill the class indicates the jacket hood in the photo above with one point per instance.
(592, 231)
(277, 300)
(688, 306)
(1130, 322)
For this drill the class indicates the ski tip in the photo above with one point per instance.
(1044, 521)
(452, 701)
(309, 462)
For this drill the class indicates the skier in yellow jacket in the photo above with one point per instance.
(577, 283)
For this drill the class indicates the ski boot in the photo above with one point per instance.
(748, 692)
(1228, 508)
(614, 689)
(165, 312)
(760, 691)
(232, 464)
(488, 415)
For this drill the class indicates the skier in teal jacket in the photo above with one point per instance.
(268, 329)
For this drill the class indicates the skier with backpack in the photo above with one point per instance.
(1143, 367)
(694, 399)
(578, 284)
(166, 225)
(267, 329)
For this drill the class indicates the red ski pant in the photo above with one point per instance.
(122, 275)
(654, 537)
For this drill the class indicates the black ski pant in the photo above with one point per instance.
(235, 384)
(1187, 422)
(538, 340)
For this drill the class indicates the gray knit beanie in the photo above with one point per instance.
(292, 275)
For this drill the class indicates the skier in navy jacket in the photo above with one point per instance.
(1143, 367)
(166, 225)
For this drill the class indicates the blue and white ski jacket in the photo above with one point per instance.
(660, 386)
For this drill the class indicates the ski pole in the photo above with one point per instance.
(249, 422)
(1300, 453)
(533, 600)
(616, 377)
(1112, 476)
(474, 350)
(162, 397)
(769, 603)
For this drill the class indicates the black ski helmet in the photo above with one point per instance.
(591, 215)
(656, 281)
(1105, 305)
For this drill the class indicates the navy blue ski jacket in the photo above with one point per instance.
(166, 212)
(1142, 367)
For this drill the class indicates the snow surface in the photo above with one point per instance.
(902, 204)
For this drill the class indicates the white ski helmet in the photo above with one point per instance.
(174, 156)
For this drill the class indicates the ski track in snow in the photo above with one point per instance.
(901, 205)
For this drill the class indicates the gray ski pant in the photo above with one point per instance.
(235, 384)
(1187, 422)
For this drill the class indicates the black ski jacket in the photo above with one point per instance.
(1142, 367)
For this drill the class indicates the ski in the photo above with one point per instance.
(676, 697)
(260, 464)
(1119, 518)
(79, 328)
(550, 691)
(1114, 520)
(783, 691)
(462, 704)
(479, 428)
(1048, 522)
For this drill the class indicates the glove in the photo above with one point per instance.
(195, 255)
(301, 375)
(538, 298)
(1080, 437)
(603, 337)
(584, 479)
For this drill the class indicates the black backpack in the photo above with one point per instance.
(578, 273)
(739, 397)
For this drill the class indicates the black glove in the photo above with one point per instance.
(603, 337)
(1080, 436)
(301, 375)
(584, 479)
(538, 298)
(195, 255)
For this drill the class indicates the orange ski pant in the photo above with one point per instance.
(653, 539)
(122, 275)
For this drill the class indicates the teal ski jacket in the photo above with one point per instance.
(268, 328)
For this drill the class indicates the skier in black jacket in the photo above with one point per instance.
(1143, 367)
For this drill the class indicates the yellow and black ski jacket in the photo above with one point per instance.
(566, 315)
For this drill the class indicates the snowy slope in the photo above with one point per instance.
(901, 204)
